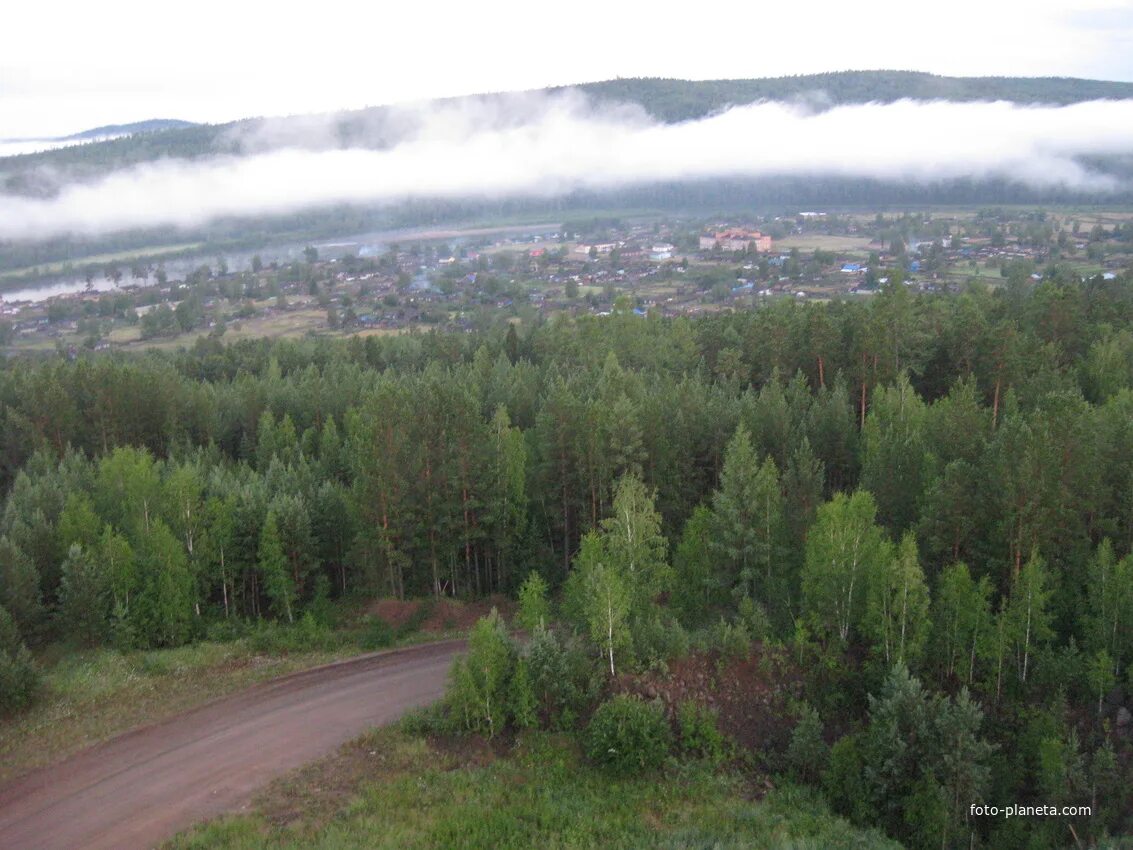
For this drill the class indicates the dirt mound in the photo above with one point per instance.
(395, 612)
(752, 696)
(439, 616)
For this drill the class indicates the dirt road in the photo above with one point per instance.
(140, 788)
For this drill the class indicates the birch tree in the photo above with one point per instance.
(897, 606)
(844, 548)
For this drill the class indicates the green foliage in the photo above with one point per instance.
(534, 609)
(658, 638)
(842, 781)
(377, 634)
(699, 735)
(748, 525)
(522, 697)
(83, 598)
(20, 592)
(562, 678)
(599, 595)
(278, 580)
(896, 614)
(627, 735)
(731, 639)
(844, 548)
(478, 686)
(698, 587)
(163, 611)
(919, 746)
(633, 543)
(961, 623)
(807, 754)
(305, 635)
(19, 676)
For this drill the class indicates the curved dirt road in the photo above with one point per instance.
(140, 788)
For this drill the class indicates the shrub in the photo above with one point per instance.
(658, 639)
(307, 635)
(377, 634)
(477, 691)
(807, 754)
(433, 719)
(563, 678)
(754, 618)
(19, 676)
(534, 610)
(699, 736)
(731, 639)
(522, 695)
(628, 735)
(843, 783)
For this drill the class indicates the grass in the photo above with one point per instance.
(391, 790)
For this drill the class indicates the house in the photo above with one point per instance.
(735, 239)
(661, 251)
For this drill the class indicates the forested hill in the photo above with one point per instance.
(666, 99)
(153, 125)
(679, 100)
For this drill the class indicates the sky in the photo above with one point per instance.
(70, 66)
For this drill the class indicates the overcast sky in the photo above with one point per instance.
(69, 66)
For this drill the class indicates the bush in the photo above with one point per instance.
(378, 634)
(433, 719)
(699, 736)
(732, 640)
(19, 676)
(534, 610)
(754, 618)
(218, 631)
(307, 635)
(628, 735)
(563, 678)
(659, 639)
(478, 688)
(522, 696)
(807, 754)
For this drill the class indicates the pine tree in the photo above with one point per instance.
(534, 609)
(748, 509)
(83, 599)
(164, 607)
(273, 567)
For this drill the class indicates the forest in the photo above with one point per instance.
(923, 503)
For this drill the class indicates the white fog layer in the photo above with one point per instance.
(547, 145)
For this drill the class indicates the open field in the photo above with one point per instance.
(811, 242)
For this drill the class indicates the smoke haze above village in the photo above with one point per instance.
(537, 145)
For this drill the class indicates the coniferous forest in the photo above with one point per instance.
(919, 505)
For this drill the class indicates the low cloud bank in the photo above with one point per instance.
(538, 145)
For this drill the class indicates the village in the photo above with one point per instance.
(656, 266)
